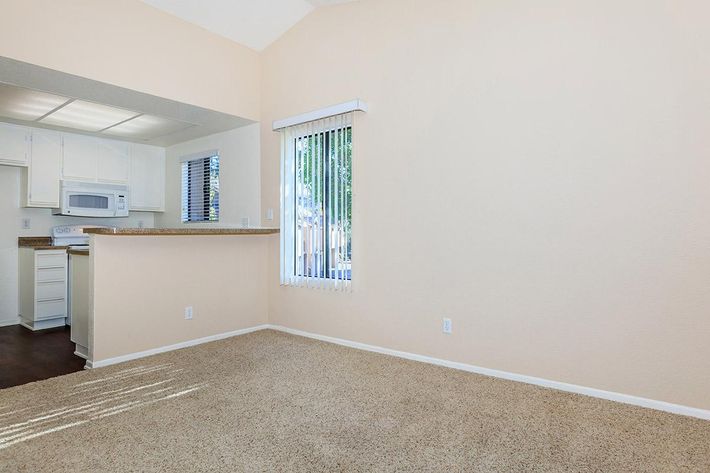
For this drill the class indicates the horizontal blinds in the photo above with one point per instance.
(200, 189)
(316, 236)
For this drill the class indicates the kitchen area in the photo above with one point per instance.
(78, 155)
(70, 181)
(52, 335)
(53, 274)
(61, 182)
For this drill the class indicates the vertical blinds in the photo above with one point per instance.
(316, 196)
(200, 189)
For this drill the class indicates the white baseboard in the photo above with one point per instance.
(42, 324)
(567, 387)
(24, 324)
(571, 388)
(176, 346)
(7, 322)
(81, 351)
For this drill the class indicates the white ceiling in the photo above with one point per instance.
(253, 23)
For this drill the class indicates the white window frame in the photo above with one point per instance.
(340, 278)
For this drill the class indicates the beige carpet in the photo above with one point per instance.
(274, 402)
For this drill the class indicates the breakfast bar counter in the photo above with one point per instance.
(152, 288)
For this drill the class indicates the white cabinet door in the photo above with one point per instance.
(14, 144)
(113, 161)
(147, 181)
(45, 168)
(80, 157)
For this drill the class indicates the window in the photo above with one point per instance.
(200, 189)
(88, 201)
(317, 203)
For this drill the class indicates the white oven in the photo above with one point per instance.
(90, 199)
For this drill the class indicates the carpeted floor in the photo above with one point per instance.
(268, 401)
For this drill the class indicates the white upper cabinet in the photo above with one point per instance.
(51, 156)
(96, 160)
(14, 144)
(80, 158)
(147, 178)
(113, 161)
(45, 169)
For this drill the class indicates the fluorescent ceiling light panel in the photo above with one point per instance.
(87, 116)
(26, 104)
(146, 127)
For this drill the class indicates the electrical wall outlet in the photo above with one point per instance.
(269, 214)
(245, 222)
(141, 224)
(26, 223)
(446, 325)
(188, 313)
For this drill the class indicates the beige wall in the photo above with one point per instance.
(239, 177)
(41, 223)
(141, 286)
(537, 171)
(130, 44)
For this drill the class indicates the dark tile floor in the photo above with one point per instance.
(27, 356)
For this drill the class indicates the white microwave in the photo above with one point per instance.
(90, 199)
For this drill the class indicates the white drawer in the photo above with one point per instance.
(50, 260)
(51, 274)
(46, 291)
(51, 309)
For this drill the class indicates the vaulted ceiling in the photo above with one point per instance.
(253, 23)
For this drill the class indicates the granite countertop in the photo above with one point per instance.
(38, 243)
(181, 231)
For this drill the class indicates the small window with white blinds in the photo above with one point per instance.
(316, 218)
(200, 188)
